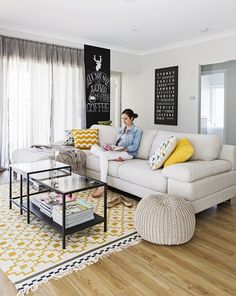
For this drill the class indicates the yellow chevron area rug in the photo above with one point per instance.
(31, 254)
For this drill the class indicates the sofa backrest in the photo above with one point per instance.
(206, 147)
(148, 136)
(107, 134)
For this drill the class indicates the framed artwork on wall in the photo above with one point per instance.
(166, 96)
(97, 82)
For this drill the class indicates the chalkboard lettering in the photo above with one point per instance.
(97, 74)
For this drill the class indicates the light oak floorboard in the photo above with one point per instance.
(204, 266)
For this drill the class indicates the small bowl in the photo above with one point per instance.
(106, 122)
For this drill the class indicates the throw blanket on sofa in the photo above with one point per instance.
(67, 154)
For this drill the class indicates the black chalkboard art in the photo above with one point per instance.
(97, 79)
(166, 96)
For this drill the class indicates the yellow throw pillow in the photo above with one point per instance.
(183, 151)
(85, 138)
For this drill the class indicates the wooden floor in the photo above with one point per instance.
(206, 265)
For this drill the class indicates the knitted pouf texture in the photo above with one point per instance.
(165, 219)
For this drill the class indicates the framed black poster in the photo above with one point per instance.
(97, 79)
(166, 96)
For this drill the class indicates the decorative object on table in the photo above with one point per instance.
(165, 219)
(97, 77)
(85, 138)
(162, 153)
(106, 122)
(183, 151)
(166, 96)
(35, 256)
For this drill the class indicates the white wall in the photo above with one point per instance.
(138, 89)
(125, 62)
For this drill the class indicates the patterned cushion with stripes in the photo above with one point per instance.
(85, 138)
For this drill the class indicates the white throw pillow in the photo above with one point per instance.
(163, 152)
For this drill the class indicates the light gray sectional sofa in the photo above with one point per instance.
(207, 179)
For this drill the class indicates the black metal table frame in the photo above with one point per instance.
(102, 184)
(28, 194)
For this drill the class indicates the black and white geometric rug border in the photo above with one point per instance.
(75, 264)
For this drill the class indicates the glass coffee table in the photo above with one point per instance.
(58, 178)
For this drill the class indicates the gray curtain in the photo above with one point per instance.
(25, 49)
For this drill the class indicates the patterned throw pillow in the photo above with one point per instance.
(69, 139)
(163, 152)
(85, 138)
(183, 151)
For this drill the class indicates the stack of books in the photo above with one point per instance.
(77, 212)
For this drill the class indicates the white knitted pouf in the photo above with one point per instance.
(165, 219)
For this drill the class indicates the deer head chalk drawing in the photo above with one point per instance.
(98, 62)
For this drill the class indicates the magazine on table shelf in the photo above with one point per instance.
(77, 210)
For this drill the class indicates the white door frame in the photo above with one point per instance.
(116, 98)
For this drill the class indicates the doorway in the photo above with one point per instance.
(212, 119)
(115, 107)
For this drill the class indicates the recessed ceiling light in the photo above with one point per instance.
(204, 30)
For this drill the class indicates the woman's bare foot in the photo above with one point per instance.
(98, 193)
(119, 159)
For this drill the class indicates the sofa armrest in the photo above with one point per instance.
(59, 143)
(191, 171)
(228, 152)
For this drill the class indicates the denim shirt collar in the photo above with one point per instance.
(129, 129)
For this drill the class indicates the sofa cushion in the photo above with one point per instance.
(196, 170)
(69, 138)
(183, 151)
(138, 171)
(93, 163)
(106, 134)
(201, 188)
(228, 152)
(162, 153)
(145, 143)
(85, 138)
(206, 147)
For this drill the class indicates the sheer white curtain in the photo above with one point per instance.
(42, 94)
(68, 99)
(29, 100)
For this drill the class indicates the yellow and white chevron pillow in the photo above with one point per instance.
(85, 138)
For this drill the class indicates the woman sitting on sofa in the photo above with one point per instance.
(127, 143)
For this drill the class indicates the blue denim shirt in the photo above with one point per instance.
(132, 139)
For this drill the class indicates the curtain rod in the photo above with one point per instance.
(40, 42)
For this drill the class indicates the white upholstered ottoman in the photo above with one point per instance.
(165, 219)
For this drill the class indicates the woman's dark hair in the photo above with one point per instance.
(130, 113)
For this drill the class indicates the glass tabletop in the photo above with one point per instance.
(38, 166)
(70, 183)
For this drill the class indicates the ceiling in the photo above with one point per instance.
(137, 26)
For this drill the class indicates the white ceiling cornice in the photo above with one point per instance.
(19, 32)
(193, 41)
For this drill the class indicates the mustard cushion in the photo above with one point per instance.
(85, 138)
(183, 151)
